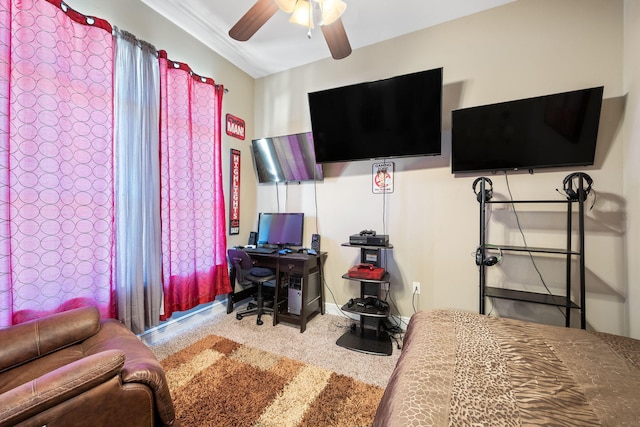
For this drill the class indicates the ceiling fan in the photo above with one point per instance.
(302, 12)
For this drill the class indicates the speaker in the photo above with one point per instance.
(253, 238)
(315, 242)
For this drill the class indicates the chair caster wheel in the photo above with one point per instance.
(239, 316)
(259, 322)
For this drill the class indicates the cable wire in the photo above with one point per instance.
(324, 282)
(524, 240)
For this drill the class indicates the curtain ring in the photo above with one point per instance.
(64, 7)
(90, 20)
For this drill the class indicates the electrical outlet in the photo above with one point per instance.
(416, 288)
(384, 286)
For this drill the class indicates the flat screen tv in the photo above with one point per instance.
(555, 130)
(286, 158)
(396, 117)
(280, 229)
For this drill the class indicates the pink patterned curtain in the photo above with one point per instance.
(193, 222)
(56, 184)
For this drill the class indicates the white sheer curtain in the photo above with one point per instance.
(138, 257)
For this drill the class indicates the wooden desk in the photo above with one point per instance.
(306, 267)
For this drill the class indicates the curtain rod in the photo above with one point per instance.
(115, 31)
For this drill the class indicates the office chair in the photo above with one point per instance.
(247, 275)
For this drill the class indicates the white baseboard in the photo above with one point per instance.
(174, 326)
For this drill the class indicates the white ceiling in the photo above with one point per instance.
(280, 45)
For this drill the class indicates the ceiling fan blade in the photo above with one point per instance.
(253, 20)
(337, 39)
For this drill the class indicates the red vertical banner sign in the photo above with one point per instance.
(234, 204)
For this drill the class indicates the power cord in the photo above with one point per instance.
(399, 322)
(315, 197)
(524, 240)
(278, 197)
(413, 300)
(325, 284)
(395, 331)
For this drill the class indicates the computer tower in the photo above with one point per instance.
(295, 295)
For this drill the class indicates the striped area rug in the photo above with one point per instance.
(219, 382)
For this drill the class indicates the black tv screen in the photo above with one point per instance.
(396, 117)
(547, 131)
(286, 158)
(281, 229)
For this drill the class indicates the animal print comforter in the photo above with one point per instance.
(464, 369)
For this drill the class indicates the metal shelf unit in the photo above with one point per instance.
(366, 340)
(569, 252)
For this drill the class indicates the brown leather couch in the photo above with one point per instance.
(71, 369)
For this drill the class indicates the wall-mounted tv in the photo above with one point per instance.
(281, 229)
(555, 130)
(286, 158)
(396, 117)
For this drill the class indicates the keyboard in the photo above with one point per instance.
(260, 250)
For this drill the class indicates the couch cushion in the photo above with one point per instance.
(26, 372)
(33, 339)
(59, 385)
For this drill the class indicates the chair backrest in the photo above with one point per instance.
(241, 261)
(246, 273)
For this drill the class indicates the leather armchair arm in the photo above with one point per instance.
(141, 365)
(151, 374)
(22, 402)
(36, 338)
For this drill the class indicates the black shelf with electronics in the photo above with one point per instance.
(369, 335)
(484, 191)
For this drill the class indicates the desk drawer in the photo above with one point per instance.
(268, 262)
(297, 266)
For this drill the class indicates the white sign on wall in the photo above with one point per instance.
(382, 178)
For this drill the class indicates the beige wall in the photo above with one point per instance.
(526, 48)
(632, 157)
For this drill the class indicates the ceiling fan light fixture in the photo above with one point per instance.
(332, 10)
(286, 6)
(302, 14)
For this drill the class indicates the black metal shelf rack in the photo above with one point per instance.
(372, 339)
(569, 252)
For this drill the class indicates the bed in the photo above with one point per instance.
(465, 369)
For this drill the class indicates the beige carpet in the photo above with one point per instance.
(219, 382)
(316, 346)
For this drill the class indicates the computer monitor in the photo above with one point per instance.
(281, 229)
